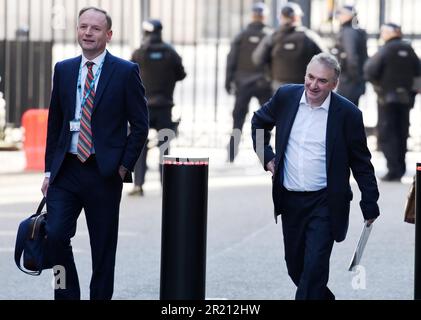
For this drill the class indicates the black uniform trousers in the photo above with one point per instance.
(243, 97)
(159, 118)
(308, 242)
(80, 185)
(393, 131)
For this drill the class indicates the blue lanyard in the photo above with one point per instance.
(91, 86)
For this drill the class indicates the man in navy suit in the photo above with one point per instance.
(319, 138)
(90, 153)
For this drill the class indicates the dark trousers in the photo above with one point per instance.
(159, 118)
(308, 242)
(80, 185)
(241, 107)
(393, 130)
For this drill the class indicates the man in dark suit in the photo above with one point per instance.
(319, 138)
(89, 152)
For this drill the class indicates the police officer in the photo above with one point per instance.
(351, 51)
(392, 71)
(160, 68)
(243, 77)
(289, 49)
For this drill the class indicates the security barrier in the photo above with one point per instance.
(417, 275)
(34, 122)
(184, 224)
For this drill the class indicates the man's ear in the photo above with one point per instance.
(109, 35)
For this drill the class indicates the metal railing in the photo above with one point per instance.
(201, 31)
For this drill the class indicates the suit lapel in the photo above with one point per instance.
(106, 72)
(286, 121)
(333, 125)
(289, 117)
(73, 74)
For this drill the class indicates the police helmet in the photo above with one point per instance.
(291, 10)
(259, 8)
(152, 26)
(347, 9)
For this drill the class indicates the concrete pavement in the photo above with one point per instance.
(244, 245)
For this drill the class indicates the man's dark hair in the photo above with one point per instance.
(107, 16)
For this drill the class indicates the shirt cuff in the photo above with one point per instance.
(47, 174)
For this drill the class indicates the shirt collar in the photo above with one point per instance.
(324, 105)
(97, 60)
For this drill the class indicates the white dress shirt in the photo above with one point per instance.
(305, 154)
(97, 63)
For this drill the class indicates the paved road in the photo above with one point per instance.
(244, 245)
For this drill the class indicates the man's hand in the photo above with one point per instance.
(230, 87)
(122, 172)
(370, 221)
(45, 185)
(271, 166)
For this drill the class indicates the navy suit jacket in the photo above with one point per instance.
(119, 100)
(346, 150)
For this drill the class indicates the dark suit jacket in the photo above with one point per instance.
(119, 100)
(346, 148)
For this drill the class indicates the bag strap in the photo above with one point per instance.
(41, 206)
(20, 240)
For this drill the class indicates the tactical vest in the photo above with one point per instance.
(290, 55)
(399, 65)
(156, 64)
(359, 49)
(250, 39)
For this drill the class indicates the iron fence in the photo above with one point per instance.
(35, 34)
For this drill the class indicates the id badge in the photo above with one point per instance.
(74, 126)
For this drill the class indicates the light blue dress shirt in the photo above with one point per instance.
(97, 63)
(98, 60)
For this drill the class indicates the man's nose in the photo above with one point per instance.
(313, 84)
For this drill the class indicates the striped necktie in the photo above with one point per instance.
(84, 144)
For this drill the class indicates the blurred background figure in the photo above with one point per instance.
(2, 115)
(160, 68)
(243, 77)
(351, 51)
(392, 71)
(289, 49)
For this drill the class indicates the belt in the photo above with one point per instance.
(74, 157)
(304, 192)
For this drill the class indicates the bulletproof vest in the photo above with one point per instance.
(359, 48)
(156, 63)
(250, 38)
(290, 55)
(399, 63)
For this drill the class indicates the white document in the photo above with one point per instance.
(358, 253)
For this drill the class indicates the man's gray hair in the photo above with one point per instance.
(329, 61)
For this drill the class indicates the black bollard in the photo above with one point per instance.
(417, 275)
(184, 223)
